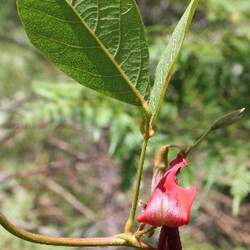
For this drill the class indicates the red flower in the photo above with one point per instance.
(170, 204)
(169, 239)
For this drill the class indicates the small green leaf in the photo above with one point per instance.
(100, 44)
(165, 68)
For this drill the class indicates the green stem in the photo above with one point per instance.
(139, 234)
(131, 218)
(223, 121)
(199, 140)
(71, 242)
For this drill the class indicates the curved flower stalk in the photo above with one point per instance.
(116, 240)
(169, 205)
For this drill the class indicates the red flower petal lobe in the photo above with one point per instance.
(169, 203)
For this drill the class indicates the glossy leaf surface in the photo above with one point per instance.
(100, 44)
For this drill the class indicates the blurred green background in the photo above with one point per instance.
(68, 155)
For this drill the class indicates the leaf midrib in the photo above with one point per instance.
(111, 58)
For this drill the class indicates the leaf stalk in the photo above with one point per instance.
(131, 218)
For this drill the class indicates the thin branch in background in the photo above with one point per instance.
(67, 148)
(70, 198)
(10, 134)
(36, 171)
(228, 225)
(18, 100)
(35, 228)
(10, 40)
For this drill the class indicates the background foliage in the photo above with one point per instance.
(68, 155)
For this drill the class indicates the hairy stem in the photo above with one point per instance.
(72, 242)
(131, 218)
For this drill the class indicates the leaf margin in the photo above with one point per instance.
(156, 99)
(142, 102)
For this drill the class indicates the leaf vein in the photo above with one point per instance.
(112, 59)
(54, 17)
(67, 44)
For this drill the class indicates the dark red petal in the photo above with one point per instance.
(169, 239)
(178, 162)
(169, 203)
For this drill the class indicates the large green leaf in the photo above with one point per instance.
(168, 60)
(99, 43)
